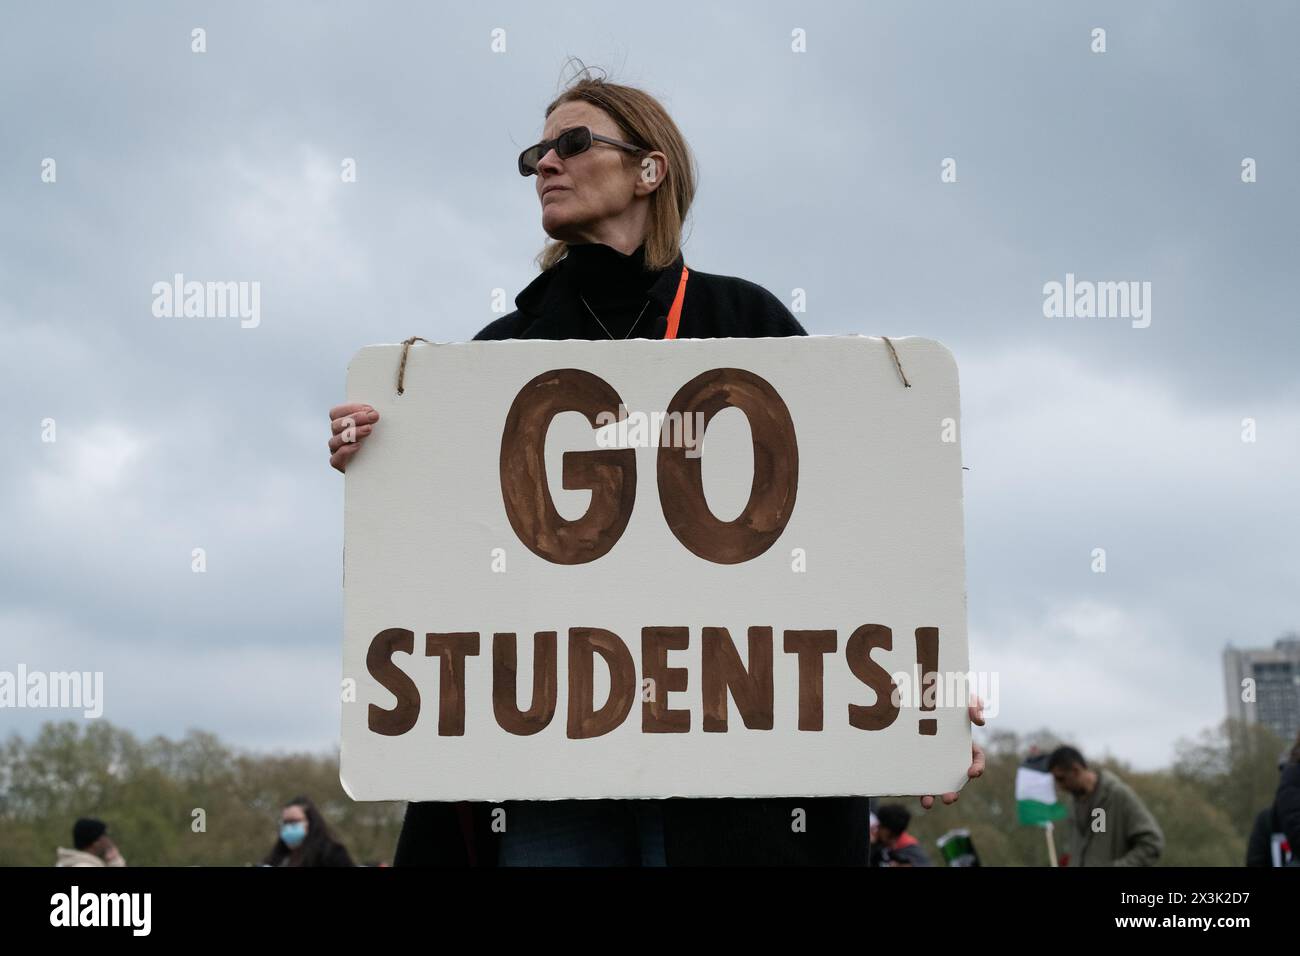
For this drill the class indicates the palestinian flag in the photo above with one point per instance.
(1036, 793)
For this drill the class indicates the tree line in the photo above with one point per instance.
(199, 802)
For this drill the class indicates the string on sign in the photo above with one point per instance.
(897, 364)
(401, 369)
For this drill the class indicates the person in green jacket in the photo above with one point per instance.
(1110, 825)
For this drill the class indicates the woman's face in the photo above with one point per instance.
(582, 195)
(294, 816)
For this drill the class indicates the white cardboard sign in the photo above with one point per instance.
(749, 599)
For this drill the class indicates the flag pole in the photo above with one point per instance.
(1051, 843)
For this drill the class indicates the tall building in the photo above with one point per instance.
(1276, 675)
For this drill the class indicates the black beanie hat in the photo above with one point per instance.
(894, 816)
(86, 831)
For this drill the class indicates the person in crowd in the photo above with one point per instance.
(891, 844)
(91, 846)
(1110, 825)
(1285, 812)
(1267, 826)
(305, 839)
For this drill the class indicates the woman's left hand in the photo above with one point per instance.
(976, 755)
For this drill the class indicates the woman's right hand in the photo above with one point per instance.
(348, 425)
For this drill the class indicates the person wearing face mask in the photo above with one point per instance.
(305, 839)
(615, 179)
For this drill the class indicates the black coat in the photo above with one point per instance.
(329, 853)
(1259, 848)
(714, 306)
(697, 832)
(1287, 806)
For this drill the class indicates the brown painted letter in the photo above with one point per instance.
(609, 473)
(723, 671)
(584, 644)
(505, 684)
(656, 642)
(776, 469)
(857, 652)
(453, 649)
(379, 661)
(811, 646)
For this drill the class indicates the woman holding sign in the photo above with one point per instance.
(615, 181)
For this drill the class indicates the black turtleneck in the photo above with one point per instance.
(614, 286)
(617, 287)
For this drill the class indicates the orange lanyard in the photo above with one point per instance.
(675, 313)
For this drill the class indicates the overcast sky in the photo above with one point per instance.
(820, 170)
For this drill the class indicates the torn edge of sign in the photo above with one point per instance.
(887, 340)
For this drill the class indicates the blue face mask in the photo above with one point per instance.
(293, 834)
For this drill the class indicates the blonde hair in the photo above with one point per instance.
(643, 122)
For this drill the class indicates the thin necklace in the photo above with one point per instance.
(602, 324)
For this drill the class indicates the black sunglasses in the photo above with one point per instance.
(571, 142)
